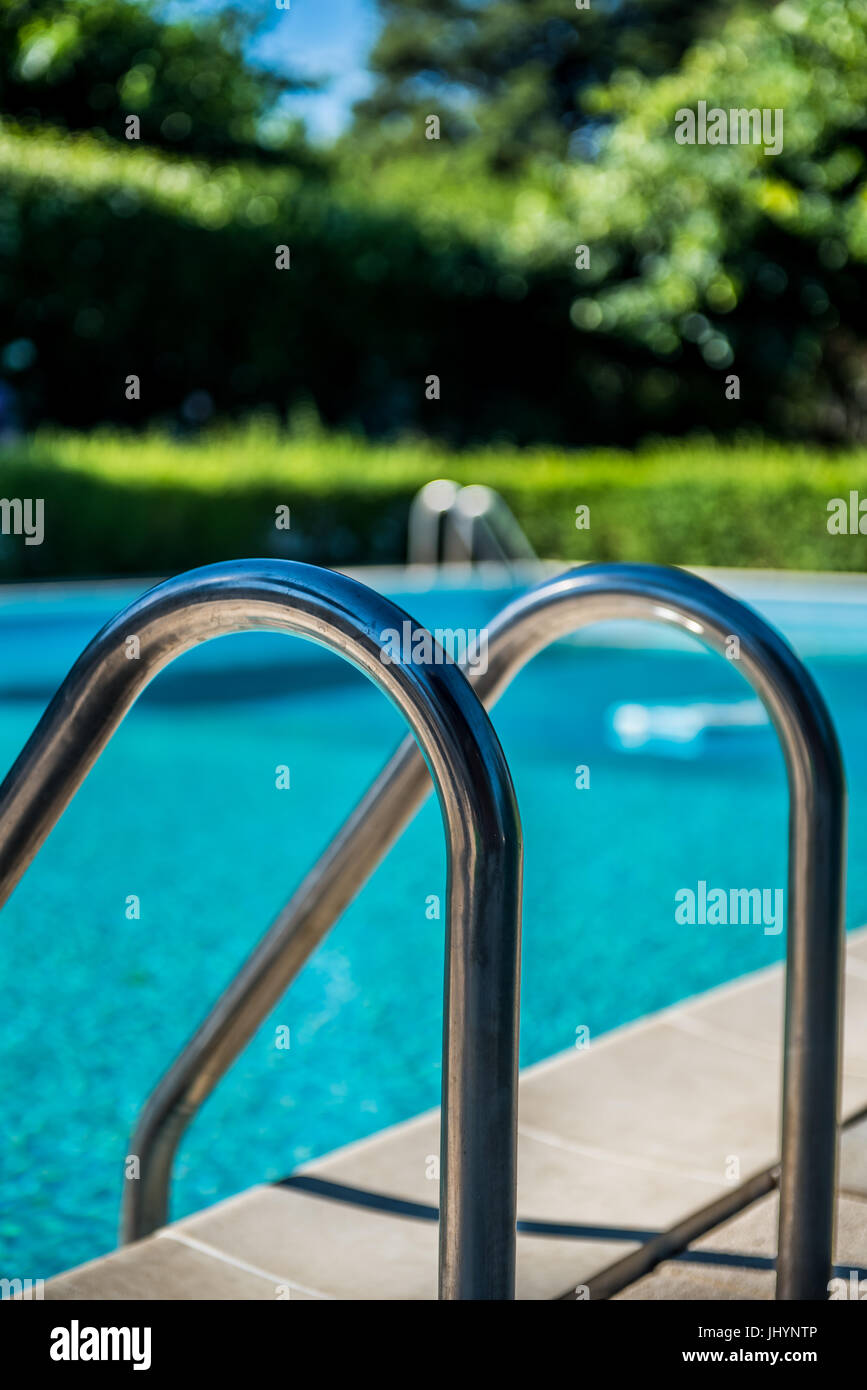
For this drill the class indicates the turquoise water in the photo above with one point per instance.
(183, 812)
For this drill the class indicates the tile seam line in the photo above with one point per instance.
(677, 1238)
(669, 1013)
(534, 1069)
(611, 1279)
(554, 1141)
(223, 1257)
(696, 1027)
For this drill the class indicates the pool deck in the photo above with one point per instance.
(646, 1171)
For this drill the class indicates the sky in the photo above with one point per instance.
(318, 38)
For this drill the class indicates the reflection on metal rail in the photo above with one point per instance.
(480, 1058)
(817, 811)
(464, 524)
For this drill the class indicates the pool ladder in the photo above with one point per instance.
(465, 525)
(477, 1185)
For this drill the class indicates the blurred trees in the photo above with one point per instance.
(86, 64)
(454, 256)
(511, 74)
(725, 255)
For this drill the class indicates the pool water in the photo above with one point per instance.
(182, 811)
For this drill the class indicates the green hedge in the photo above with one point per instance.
(144, 505)
(117, 262)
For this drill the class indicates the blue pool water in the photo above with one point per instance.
(182, 810)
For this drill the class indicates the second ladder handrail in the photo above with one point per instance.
(480, 1017)
(817, 809)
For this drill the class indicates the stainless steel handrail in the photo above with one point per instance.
(817, 811)
(479, 519)
(426, 511)
(480, 1023)
(444, 516)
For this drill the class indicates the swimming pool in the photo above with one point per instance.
(182, 811)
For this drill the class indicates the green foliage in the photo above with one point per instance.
(704, 260)
(417, 259)
(756, 259)
(147, 505)
(86, 64)
(123, 262)
(509, 75)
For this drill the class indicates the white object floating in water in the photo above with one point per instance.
(636, 726)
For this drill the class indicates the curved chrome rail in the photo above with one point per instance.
(817, 810)
(480, 1059)
(481, 525)
(468, 524)
(426, 511)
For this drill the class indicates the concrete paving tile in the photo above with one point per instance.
(402, 1160)
(853, 1159)
(554, 1184)
(679, 1282)
(661, 1094)
(549, 1267)
(748, 1015)
(343, 1251)
(854, 1094)
(160, 1268)
(855, 1027)
(349, 1252)
(857, 943)
(754, 1231)
(634, 1134)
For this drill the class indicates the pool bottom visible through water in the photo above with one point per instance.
(182, 815)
